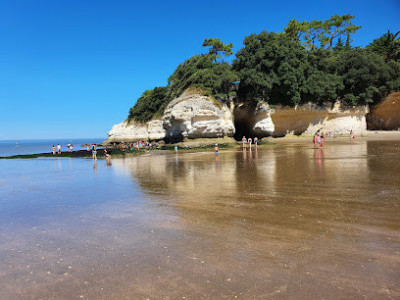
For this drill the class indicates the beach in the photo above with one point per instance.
(283, 221)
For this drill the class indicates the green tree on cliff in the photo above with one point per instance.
(388, 45)
(366, 77)
(148, 104)
(271, 67)
(202, 72)
(217, 48)
(325, 32)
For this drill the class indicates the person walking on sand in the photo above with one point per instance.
(58, 149)
(54, 150)
(244, 140)
(250, 141)
(176, 149)
(216, 149)
(256, 141)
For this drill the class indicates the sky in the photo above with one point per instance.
(74, 68)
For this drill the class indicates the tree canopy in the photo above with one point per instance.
(322, 32)
(217, 48)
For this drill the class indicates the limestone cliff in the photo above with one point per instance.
(309, 118)
(197, 116)
(189, 116)
(193, 115)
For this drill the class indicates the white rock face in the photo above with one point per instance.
(189, 116)
(340, 125)
(196, 116)
(341, 120)
(124, 132)
(310, 118)
(263, 125)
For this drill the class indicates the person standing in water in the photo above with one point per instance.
(244, 140)
(94, 152)
(322, 140)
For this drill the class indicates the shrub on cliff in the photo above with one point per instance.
(202, 72)
(148, 104)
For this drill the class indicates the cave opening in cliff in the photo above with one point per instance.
(242, 128)
(243, 122)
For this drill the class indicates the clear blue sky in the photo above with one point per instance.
(72, 69)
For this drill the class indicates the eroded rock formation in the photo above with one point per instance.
(196, 116)
(309, 118)
(188, 116)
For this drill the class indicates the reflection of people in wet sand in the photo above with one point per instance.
(318, 157)
(95, 165)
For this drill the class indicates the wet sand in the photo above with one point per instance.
(283, 222)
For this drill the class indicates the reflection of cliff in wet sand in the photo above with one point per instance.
(286, 220)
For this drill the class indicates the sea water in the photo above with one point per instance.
(19, 147)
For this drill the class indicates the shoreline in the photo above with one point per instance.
(207, 144)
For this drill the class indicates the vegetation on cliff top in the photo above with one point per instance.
(308, 62)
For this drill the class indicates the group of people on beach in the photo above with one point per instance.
(58, 149)
(107, 152)
(319, 140)
(249, 141)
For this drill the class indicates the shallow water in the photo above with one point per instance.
(284, 222)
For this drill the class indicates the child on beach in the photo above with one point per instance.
(54, 150)
(255, 141)
(216, 149)
(58, 149)
(250, 141)
(244, 140)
